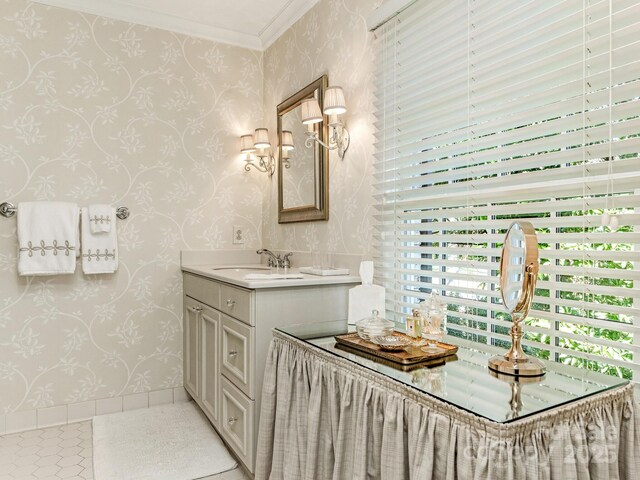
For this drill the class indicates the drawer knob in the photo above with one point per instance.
(196, 309)
(231, 421)
(232, 353)
(230, 303)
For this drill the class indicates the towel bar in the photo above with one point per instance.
(9, 210)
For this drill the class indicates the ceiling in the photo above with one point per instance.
(251, 24)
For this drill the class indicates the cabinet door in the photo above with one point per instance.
(236, 353)
(209, 348)
(237, 421)
(191, 352)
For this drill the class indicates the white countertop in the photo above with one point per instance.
(235, 275)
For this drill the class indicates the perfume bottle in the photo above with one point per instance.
(414, 324)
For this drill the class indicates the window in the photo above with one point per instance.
(489, 112)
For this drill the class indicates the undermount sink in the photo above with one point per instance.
(239, 268)
(256, 272)
(273, 276)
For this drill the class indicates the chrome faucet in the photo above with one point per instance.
(275, 260)
(272, 261)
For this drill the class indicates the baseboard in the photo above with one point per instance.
(24, 420)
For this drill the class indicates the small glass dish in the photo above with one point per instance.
(392, 343)
(374, 326)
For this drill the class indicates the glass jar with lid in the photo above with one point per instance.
(374, 326)
(435, 326)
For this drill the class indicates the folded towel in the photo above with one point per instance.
(99, 251)
(47, 238)
(325, 272)
(101, 217)
(272, 276)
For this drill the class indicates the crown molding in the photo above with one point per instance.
(293, 11)
(124, 11)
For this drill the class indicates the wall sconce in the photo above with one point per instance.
(334, 106)
(287, 146)
(258, 142)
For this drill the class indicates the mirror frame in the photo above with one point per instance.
(530, 267)
(319, 211)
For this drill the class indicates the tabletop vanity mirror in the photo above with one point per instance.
(303, 183)
(518, 275)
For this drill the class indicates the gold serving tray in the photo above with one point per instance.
(410, 356)
(436, 362)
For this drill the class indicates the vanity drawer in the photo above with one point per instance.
(236, 302)
(237, 421)
(202, 289)
(236, 352)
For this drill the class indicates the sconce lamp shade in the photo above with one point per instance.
(261, 138)
(310, 111)
(334, 103)
(246, 144)
(287, 140)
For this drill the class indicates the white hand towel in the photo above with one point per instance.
(47, 238)
(101, 217)
(99, 251)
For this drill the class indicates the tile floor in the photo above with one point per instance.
(56, 453)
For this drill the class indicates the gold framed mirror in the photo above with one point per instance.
(303, 172)
(518, 274)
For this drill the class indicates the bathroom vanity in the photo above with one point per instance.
(227, 329)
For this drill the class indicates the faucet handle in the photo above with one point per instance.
(286, 261)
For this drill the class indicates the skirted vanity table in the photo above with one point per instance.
(333, 411)
(328, 412)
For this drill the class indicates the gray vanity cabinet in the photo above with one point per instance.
(227, 331)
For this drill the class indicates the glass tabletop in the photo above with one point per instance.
(465, 381)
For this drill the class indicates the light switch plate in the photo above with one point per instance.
(238, 234)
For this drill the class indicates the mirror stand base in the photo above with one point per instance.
(525, 367)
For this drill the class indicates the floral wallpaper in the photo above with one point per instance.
(96, 110)
(332, 39)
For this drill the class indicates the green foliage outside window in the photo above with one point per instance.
(574, 300)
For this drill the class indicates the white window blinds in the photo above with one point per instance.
(489, 112)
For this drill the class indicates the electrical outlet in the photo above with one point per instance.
(238, 234)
